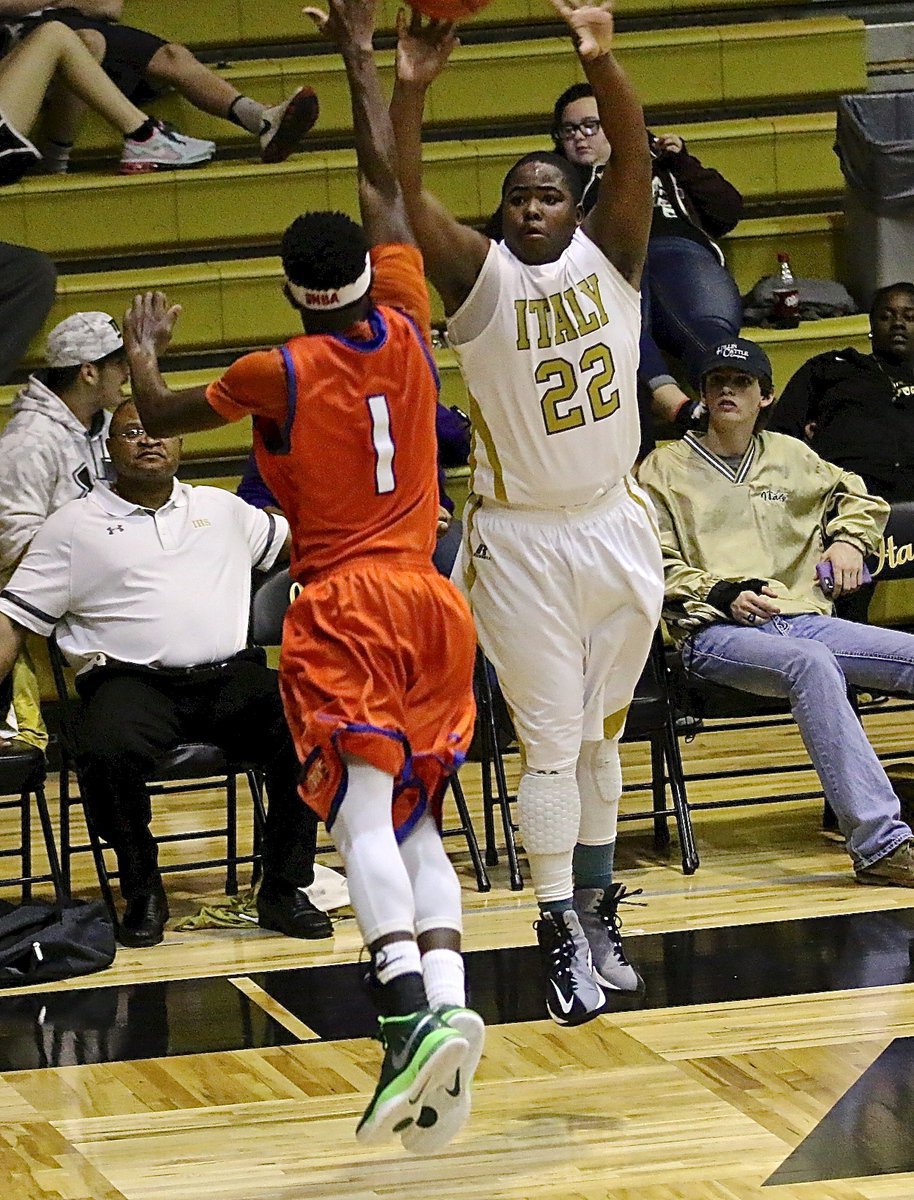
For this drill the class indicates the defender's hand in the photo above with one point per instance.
(349, 23)
(422, 48)
(591, 25)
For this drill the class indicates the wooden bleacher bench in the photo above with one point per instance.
(769, 159)
(498, 82)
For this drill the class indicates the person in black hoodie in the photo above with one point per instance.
(857, 410)
(690, 301)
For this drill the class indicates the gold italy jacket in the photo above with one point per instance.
(769, 518)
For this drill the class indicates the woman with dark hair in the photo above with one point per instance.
(690, 301)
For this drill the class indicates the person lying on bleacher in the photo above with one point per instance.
(53, 450)
(54, 51)
(857, 410)
(746, 519)
(141, 64)
(147, 585)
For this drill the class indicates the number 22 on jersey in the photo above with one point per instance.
(596, 363)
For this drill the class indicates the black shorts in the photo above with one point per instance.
(127, 50)
(17, 153)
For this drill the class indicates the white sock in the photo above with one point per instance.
(396, 959)
(443, 974)
(249, 114)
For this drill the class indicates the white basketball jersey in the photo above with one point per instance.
(552, 376)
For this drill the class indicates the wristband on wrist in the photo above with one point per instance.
(688, 414)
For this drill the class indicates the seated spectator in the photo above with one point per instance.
(53, 450)
(52, 51)
(147, 584)
(857, 410)
(140, 64)
(745, 518)
(27, 283)
(689, 300)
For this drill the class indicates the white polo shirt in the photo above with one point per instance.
(164, 588)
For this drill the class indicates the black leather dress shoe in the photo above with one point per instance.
(292, 913)
(143, 922)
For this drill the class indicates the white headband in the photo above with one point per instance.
(322, 299)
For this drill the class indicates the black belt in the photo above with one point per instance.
(89, 680)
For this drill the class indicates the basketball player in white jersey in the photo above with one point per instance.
(561, 559)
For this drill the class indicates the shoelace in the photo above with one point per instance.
(608, 912)
(562, 954)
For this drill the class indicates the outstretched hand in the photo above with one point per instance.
(591, 25)
(149, 323)
(348, 22)
(422, 48)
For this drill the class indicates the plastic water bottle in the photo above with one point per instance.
(785, 296)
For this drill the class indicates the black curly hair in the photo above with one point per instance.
(879, 296)
(324, 250)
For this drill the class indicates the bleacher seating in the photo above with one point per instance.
(491, 105)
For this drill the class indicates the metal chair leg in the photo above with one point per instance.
(482, 879)
(487, 711)
(47, 829)
(25, 842)
(231, 835)
(658, 790)
(687, 845)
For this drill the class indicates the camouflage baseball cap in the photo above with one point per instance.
(83, 338)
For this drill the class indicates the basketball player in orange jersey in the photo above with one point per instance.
(377, 656)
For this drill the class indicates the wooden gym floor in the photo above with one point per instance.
(772, 1057)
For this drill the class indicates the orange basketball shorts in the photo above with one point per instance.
(377, 662)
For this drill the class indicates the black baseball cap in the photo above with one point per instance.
(740, 353)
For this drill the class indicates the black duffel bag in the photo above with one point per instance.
(42, 941)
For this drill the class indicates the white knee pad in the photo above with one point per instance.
(599, 779)
(549, 810)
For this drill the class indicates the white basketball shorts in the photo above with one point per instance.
(566, 604)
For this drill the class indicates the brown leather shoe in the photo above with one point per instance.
(895, 870)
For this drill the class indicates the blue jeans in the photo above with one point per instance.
(689, 303)
(809, 660)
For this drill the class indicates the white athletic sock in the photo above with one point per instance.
(396, 959)
(249, 114)
(443, 974)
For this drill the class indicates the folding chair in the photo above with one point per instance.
(188, 767)
(268, 611)
(650, 718)
(22, 776)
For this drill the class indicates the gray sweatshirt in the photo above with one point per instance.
(47, 457)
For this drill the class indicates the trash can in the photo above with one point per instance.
(876, 149)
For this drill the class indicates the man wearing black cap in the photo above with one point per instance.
(746, 516)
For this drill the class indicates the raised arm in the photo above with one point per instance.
(350, 25)
(453, 253)
(620, 221)
(148, 326)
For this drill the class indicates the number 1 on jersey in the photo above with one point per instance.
(383, 444)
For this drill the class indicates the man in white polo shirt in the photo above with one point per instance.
(147, 585)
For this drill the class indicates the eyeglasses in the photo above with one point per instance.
(132, 433)
(567, 130)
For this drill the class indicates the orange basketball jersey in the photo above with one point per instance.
(344, 430)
